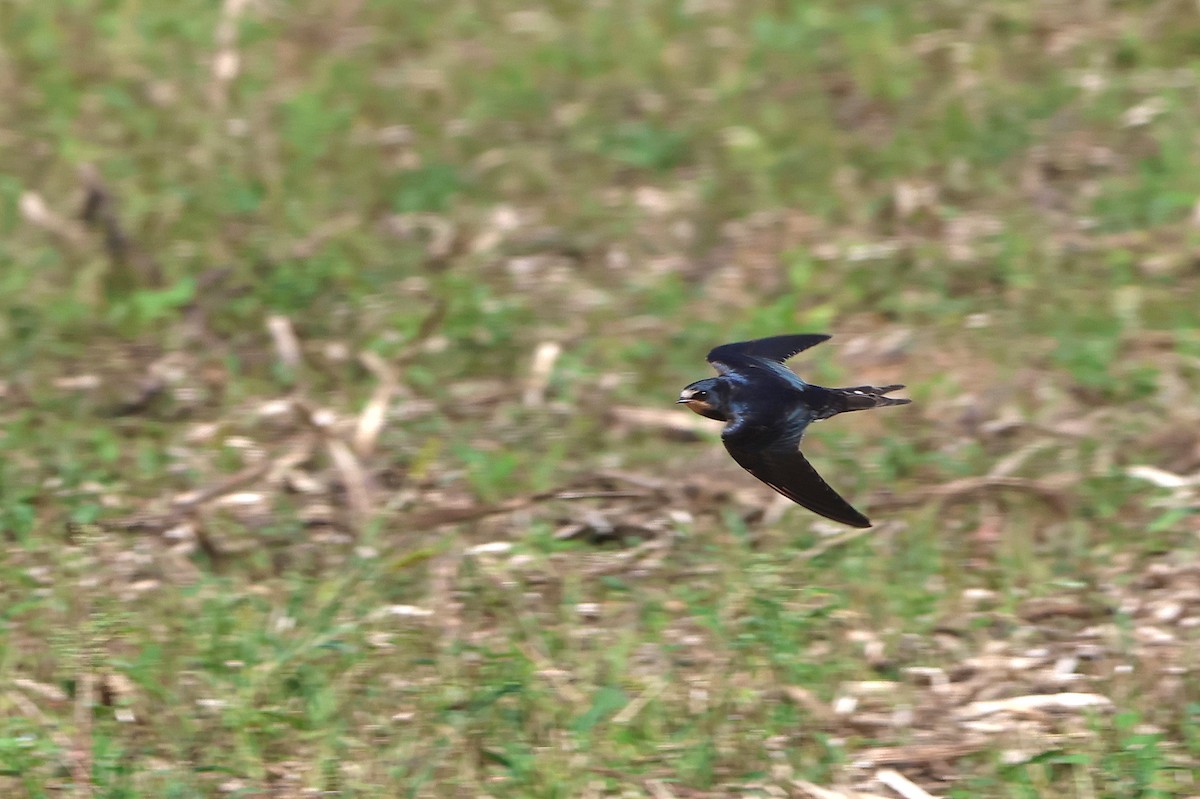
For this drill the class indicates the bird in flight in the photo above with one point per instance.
(767, 408)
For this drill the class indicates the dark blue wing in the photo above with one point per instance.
(746, 358)
(790, 473)
(768, 446)
(776, 349)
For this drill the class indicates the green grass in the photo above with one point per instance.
(993, 205)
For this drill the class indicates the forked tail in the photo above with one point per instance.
(858, 398)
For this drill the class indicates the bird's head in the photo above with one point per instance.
(705, 398)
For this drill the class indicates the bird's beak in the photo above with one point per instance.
(683, 400)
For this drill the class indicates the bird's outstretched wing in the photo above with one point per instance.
(789, 472)
(775, 349)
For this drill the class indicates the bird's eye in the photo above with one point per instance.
(700, 395)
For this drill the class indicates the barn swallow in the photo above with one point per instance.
(767, 408)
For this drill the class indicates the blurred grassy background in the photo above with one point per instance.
(284, 488)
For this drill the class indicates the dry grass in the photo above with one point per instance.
(338, 456)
